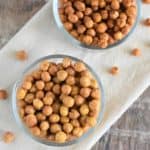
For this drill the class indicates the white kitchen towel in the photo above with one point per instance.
(40, 37)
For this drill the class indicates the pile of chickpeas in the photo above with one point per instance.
(98, 23)
(59, 102)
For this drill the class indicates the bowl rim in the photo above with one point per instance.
(79, 44)
(26, 129)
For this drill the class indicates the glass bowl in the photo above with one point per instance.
(54, 58)
(82, 45)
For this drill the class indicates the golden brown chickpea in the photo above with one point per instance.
(95, 93)
(79, 66)
(47, 110)
(43, 134)
(69, 10)
(102, 3)
(39, 94)
(21, 55)
(61, 10)
(68, 26)
(63, 18)
(36, 74)
(50, 94)
(80, 6)
(123, 15)
(91, 32)
(40, 117)
(45, 76)
(8, 137)
(54, 118)
(75, 90)
(70, 71)
(21, 112)
(56, 107)
(96, 17)
(131, 11)
(79, 14)
(130, 20)
(74, 114)
(21, 93)
(94, 3)
(53, 69)
(88, 11)
(147, 22)
(88, 22)
(54, 128)
(67, 127)
(85, 81)
(104, 36)
(48, 86)
(75, 123)
(68, 101)
(35, 131)
(83, 120)
(44, 65)
(74, 33)
(102, 43)
(118, 35)
(114, 14)
(51, 137)
(121, 23)
(64, 119)
(110, 23)
(84, 109)
(104, 14)
(94, 105)
(64, 110)
(114, 70)
(87, 39)
(44, 125)
(29, 109)
(79, 100)
(91, 121)
(86, 73)
(136, 52)
(33, 89)
(81, 29)
(73, 18)
(115, 4)
(94, 83)
(56, 80)
(29, 98)
(77, 131)
(27, 85)
(101, 28)
(21, 104)
(40, 85)
(70, 80)
(30, 120)
(60, 137)
(62, 75)
(127, 3)
(48, 100)
(56, 89)
(85, 92)
(66, 62)
(29, 78)
(66, 89)
(38, 104)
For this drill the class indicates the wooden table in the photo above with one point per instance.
(131, 131)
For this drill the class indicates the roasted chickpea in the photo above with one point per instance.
(88, 11)
(29, 98)
(66, 89)
(131, 11)
(94, 105)
(104, 14)
(115, 4)
(40, 85)
(69, 10)
(48, 86)
(44, 65)
(74, 114)
(62, 75)
(85, 81)
(39, 94)
(73, 18)
(85, 92)
(54, 118)
(47, 110)
(95, 93)
(35, 131)
(29, 109)
(67, 127)
(64, 110)
(101, 28)
(87, 39)
(56, 107)
(88, 22)
(21, 93)
(70, 80)
(79, 66)
(81, 29)
(91, 32)
(54, 128)
(21, 55)
(80, 14)
(64, 119)
(44, 125)
(78, 131)
(8, 137)
(40, 117)
(56, 89)
(27, 85)
(79, 100)
(36, 74)
(45, 76)
(30, 120)
(118, 35)
(38, 104)
(75, 123)
(91, 121)
(33, 89)
(48, 100)
(84, 109)
(68, 101)
(53, 69)
(75, 90)
(60, 137)
(68, 25)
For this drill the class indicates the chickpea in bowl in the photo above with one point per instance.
(96, 24)
(58, 100)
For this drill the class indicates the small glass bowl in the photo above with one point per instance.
(54, 58)
(82, 45)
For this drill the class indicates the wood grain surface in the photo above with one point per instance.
(131, 131)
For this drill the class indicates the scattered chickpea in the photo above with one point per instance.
(21, 55)
(114, 70)
(136, 52)
(146, 1)
(3, 94)
(8, 137)
(147, 22)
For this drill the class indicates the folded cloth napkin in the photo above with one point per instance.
(40, 37)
